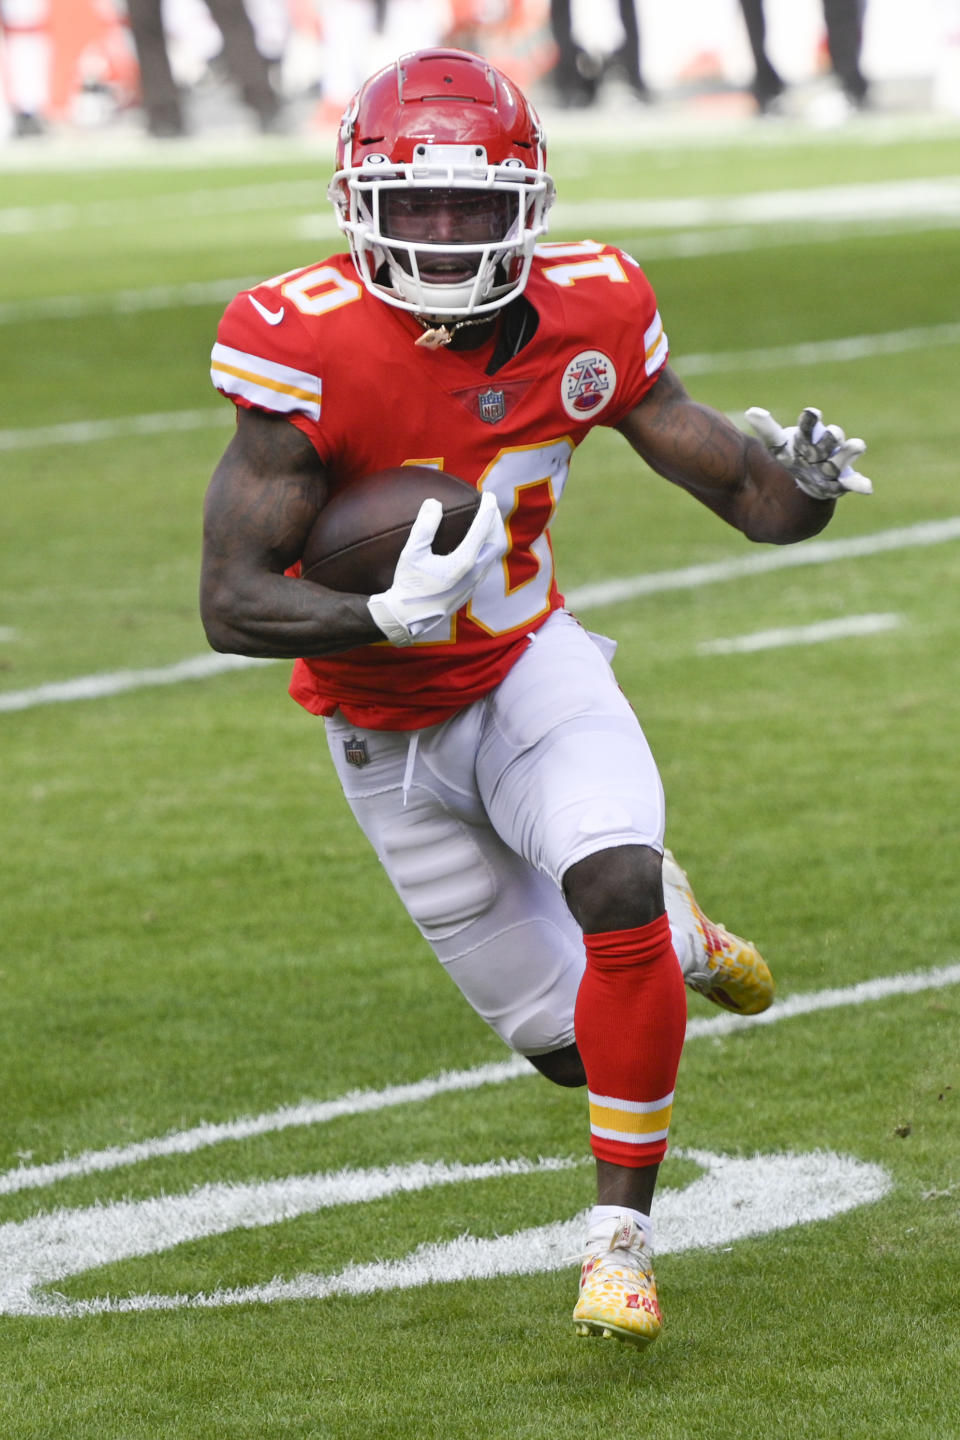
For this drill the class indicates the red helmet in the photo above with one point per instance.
(441, 186)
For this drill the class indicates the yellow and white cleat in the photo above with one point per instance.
(727, 970)
(618, 1294)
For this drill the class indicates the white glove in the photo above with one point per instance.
(818, 456)
(427, 587)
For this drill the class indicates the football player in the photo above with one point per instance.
(477, 729)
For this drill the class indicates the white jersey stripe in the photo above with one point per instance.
(655, 345)
(265, 382)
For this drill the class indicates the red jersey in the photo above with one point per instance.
(315, 346)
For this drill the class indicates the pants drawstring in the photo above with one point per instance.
(411, 761)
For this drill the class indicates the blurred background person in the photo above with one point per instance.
(582, 66)
(359, 36)
(844, 22)
(26, 63)
(247, 67)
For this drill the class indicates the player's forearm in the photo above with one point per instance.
(738, 479)
(731, 473)
(280, 617)
(772, 507)
(735, 476)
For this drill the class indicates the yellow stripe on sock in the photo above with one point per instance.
(631, 1122)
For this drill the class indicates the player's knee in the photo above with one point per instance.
(616, 889)
(563, 1067)
(537, 1026)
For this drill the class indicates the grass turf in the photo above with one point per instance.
(194, 931)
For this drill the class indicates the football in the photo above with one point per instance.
(357, 538)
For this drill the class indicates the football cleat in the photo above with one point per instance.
(618, 1294)
(727, 970)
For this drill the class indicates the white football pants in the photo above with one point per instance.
(477, 819)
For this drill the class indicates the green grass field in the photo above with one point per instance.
(194, 934)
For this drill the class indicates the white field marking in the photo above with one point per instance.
(834, 205)
(97, 214)
(579, 130)
(840, 629)
(124, 302)
(581, 599)
(742, 1197)
(882, 200)
(694, 244)
(841, 999)
(95, 687)
(811, 552)
(362, 1102)
(879, 200)
(85, 432)
(813, 352)
(820, 352)
(65, 1242)
(685, 244)
(7, 632)
(308, 1112)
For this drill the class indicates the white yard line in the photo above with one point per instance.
(839, 629)
(681, 245)
(824, 204)
(124, 302)
(86, 432)
(586, 597)
(765, 562)
(820, 352)
(296, 195)
(362, 1102)
(740, 221)
(116, 682)
(815, 352)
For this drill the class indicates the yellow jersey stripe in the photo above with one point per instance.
(266, 383)
(262, 380)
(655, 345)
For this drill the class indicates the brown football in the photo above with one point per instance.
(357, 538)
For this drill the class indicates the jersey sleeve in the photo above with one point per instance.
(643, 347)
(263, 359)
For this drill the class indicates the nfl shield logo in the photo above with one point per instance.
(492, 405)
(355, 750)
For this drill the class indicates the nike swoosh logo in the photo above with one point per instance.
(272, 317)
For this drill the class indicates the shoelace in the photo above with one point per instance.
(639, 1253)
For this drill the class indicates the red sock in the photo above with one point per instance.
(630, 1021)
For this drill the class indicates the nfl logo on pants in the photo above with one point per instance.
(355, 750)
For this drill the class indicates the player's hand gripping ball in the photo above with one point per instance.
(357, 538)
(417, 541)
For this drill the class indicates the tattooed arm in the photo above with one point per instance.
(262, 501)
(729, 472)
